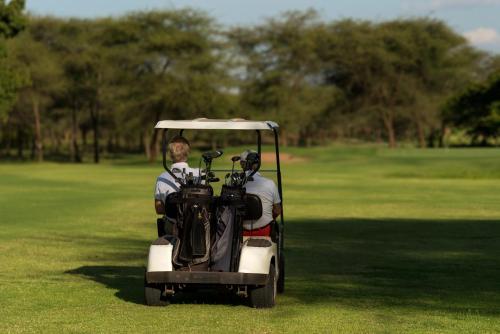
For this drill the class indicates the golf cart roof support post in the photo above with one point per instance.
(259, 143)
(181, 131)
(164, 155)
(259, 149)
(278, 171)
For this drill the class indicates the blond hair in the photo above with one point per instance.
(179, 149)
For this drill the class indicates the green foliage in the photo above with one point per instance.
(283, 72)
(116, 77)
(10, 81)
(477, 109)
(12, 21)
(395, 68)
(37, 66)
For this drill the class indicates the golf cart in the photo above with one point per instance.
(200, 239)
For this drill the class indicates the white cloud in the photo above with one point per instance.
(483, 36)
(440, 4)
(425, 5)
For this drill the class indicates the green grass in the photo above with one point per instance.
(376, 241)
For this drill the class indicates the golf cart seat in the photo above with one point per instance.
(253, 207)
(165, 224)
(171, 205)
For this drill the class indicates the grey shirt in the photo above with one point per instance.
(268, 194)
(166, 184)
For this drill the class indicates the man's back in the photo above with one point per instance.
(269, 196)
(166, 184)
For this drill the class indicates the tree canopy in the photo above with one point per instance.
(12, 21)
(70, 87)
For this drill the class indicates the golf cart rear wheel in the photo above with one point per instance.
(281, 278)
(264, 296)
(154, 295)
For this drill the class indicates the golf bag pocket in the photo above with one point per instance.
(222, 247)
(196, 235)
(228, 236)
(193, 225)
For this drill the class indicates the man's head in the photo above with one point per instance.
(179, 149)
(249, 160)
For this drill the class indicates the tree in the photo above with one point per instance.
(12, 21)
(282, 77)
(477, 109)
(399, 70)
(167, 64)
(42, 77)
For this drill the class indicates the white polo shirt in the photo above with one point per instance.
(268, 194)
(166, 184)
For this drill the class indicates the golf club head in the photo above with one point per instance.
(209, 156)
(236, 158)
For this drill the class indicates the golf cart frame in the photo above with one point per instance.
(240, 281)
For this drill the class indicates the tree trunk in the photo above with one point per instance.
(442, 135)
(389, 126)
(284, 138)
(420, 134)
(84, 137)
(153, 143)
(140, 143)
(75, 151)
(147, 148)
(109, 145)
(58, 143)
(54, 148)
(20, 143)
(33, 149)
(431, 138)
(94, 115)
(153, 146)
(38, 130)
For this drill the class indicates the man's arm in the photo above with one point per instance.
(159, 207)
(160, 193)
(276, 201)
(276, 210)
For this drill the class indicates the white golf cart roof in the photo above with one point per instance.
(217, 124)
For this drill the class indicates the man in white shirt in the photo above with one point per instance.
(178, 149)
(268, 194)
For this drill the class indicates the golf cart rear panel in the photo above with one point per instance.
(206, 277)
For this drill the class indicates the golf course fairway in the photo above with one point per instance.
(376, 241)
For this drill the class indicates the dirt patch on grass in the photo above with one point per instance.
(284, 157)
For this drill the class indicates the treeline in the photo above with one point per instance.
(100, 85)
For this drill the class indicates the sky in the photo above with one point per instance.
(477, 20)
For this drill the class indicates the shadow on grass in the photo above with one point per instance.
(129, 281)
(434, 265)
(447, 265)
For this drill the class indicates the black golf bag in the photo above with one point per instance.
(192, 218)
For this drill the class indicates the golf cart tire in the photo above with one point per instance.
(153, 295)
(264, 296)
(281, 278)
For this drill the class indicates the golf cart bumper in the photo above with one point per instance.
(201, 277)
